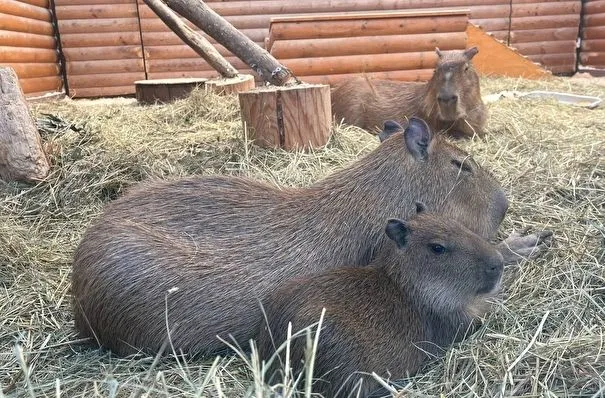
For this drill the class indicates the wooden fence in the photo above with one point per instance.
(108, 44)
(592, 54)
(27, 44)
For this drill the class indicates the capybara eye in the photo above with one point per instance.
(462, 166)
(437, 248)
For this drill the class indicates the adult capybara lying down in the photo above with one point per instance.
(450, 101)
(225, 242)
(423, 292)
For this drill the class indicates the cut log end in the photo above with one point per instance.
(232, 85)
(165, 90)
(291, 118)
(21, 155)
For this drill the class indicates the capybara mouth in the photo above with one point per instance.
(491, 287)
(449, 113)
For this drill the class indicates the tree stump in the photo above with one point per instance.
(21, 154)
(231, 85)
(165, 90)
(294, 117)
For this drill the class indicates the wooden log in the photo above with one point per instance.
(19, 39)
(96, 11)
(38, 84)
(179, 51)
(595, 59)
(539, 35)
(21, 157)
(29, 70)
(75, 68)
(593, 32)
(68, 26)
(93, 92)
(193, 39)
(555, 21)
(361, 63)
(25, 25)
(594, 7)
(563, 69)
(24, 54)
(169, 38)
(88, 2)
(368, 27)
(100, 40)
(544, 9)
(492, 24)
(185, 64)
(25, 10)
(231, 85)
(338, 6)
(296, 117)
(551, 47)
(285, 49)
(267, 67)
(594, 20)
(595, 45)
(165, 91)
(207, 74)
(416, 75)
(37, 3)
(104, 80)
(102, 53)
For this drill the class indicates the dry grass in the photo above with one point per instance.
(547, 338)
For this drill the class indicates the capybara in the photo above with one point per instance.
(450, 101)
(423, 292)
(219, 244)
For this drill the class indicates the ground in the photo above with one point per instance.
(545, 338)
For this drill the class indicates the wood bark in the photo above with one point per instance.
(195, 40)
(263, 63)
(166, 90)
(296, 117)
(21, 154)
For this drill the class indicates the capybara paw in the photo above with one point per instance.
(521, 246)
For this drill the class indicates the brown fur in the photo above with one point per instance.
(390, 316)
(367, 103)
(225, 242)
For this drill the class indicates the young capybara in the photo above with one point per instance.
(219, 244)
(450, 101)
(423, 292)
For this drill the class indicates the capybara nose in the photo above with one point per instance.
(447, 98)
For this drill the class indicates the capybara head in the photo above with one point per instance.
(445, 264)
(473, 197)
(455, 85)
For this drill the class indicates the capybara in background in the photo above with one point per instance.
(423, 292)
(450, 101)
(219, 244)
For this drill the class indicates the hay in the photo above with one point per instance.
(545, 339)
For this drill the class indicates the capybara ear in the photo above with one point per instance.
(438, 51)
(469, 53)
(417, 138)
(389, 128)
(397, 231)
(420, 207)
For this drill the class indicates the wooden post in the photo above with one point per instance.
(21, 154)
(294, 117)
(193, 39)
(263, 63)
(231, 85)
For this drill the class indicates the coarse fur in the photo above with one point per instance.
(225, 242)
(423, 292)
(450, 101)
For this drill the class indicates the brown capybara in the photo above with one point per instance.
(424, 291)
(219, 244)
(450, 101)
